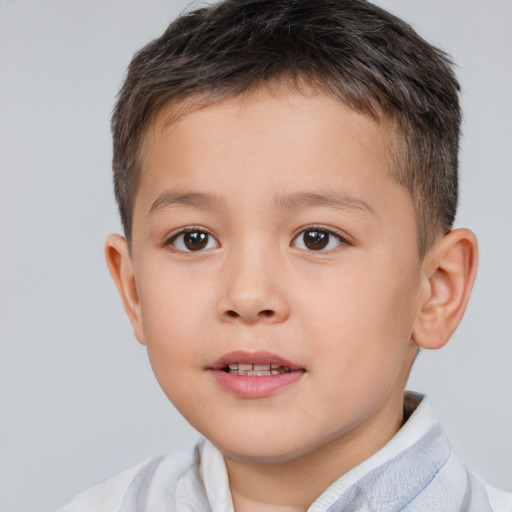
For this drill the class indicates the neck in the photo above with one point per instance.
(293, 485)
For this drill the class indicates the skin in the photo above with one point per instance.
(351, 315)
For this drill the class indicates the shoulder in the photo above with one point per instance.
(500, 501)
(497, 499)
(106, 496)
(109, 495)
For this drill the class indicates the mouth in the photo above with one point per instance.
(254, 364)
(255, 374)
(255, 370)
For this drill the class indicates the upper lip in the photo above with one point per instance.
(247, 357)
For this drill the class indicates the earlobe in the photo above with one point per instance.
(120, 265)
(448, 274)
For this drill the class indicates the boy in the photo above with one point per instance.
(286, 173)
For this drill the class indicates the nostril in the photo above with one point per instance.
(250, 313)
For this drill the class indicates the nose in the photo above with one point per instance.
(254, 291)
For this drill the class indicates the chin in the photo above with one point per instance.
(262, 451)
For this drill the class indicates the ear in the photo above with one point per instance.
(120, 265)
(448, 274)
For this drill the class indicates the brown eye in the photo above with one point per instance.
(196, 240)
(317, 240)
(193, 241)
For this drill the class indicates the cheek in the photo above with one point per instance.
(171, 301)
(359, 339)
(362, 320)
(174, 314)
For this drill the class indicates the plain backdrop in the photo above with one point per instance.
(77, 396)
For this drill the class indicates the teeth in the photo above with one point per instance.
(261, 367)
(257, 370)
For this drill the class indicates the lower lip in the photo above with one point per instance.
(256, 387)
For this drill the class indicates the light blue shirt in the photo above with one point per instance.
(416, 471)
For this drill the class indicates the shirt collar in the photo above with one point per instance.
(215, 478)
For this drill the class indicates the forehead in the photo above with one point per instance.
(263, 146)
(280, 123)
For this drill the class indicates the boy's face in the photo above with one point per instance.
(299, 250)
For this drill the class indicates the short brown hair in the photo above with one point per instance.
(350, 49)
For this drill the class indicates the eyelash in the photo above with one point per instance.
(198, 229)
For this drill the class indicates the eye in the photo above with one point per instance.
(193, 240)
(317, 239)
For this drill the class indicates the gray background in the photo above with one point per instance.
(78, 399)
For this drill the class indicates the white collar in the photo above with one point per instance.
(215, 478)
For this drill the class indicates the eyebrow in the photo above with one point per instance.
(297, 201)
(194, 199)
(329, 198)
